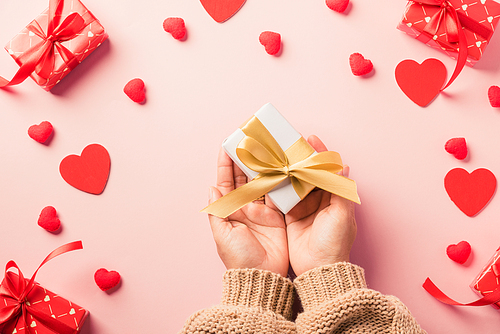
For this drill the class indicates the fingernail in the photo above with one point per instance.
(210, 192)
(345, 171)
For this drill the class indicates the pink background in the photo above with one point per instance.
(147, 224)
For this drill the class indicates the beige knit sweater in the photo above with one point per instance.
(334, 297)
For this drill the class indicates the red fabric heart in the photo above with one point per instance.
(135, 90)
(176, 27)
(360, 65)
(48, 219)
(222, 10)
(457, 147)
(470, 192)
(41, 132)
(459, 252)
(421, 82)
(271, 41)
(494, 96)
(88, 172)
(106, 280)
(337, 5)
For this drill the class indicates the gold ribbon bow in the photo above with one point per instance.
(260, 152)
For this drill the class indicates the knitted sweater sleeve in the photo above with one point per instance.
(336, 300)
(253, 301)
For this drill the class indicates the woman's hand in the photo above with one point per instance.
(321, 228)
(252, 237)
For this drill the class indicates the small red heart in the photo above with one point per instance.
(494, 96)
(135, 90)
(360, 65)
(222, 10)
(175, 26)
(48, 219)
(106, 280)
(457, 147)
(41, 132)
(470, 192)
(459, 252)
(421, 82)
(337, 5)
(271, 41)
(88, 172)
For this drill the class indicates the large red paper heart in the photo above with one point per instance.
(88, 172)
(222, 10)
(105, 279)
(459, 252)
(421, 82)
(470, 192)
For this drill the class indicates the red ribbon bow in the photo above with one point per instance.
(41, 56)
(19, 289)
(453, 22)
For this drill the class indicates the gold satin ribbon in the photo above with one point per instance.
(260, 152)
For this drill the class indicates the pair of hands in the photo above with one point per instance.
(319, 230)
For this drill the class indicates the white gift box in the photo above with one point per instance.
(283, 195)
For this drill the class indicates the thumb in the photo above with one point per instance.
(213, 194)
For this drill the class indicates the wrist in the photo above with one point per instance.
(325, 283)
(259, 289)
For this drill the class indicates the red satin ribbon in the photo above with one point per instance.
(18, 290)
(489, 299)
(453, 21)
(41, 56)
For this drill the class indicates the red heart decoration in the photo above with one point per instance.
(421, 82)
(48, 219)
(271, 41)
(337, 5)
(134, 89)
(459, 252)
(106, 280)
(41, 132)
(88, 172)
(470, 192)
(176, 27)
(360, 65)
(222, 10)
(457, 147)
(494, 96)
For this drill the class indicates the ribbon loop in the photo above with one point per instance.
(260, 152)
(434, 291)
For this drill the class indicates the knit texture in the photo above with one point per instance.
(253, 301)
(335, 300)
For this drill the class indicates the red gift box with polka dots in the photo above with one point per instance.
(488, 279)
(41, 300)
(81, 46)
(479, 19)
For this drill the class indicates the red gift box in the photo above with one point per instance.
(56, 42)
(27, 307)
(488, 280)
(478, 18)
